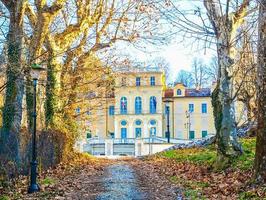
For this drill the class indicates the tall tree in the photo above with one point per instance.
(260, 157)
(225, 27)
(218, 24)
(12, 113)
(98, 25)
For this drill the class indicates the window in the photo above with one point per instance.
(123, 133)
(152, 80)
(191, 107)
(152, 122)
(88, 135)
(123, 105)
(111, 110)
(138, 122)
(137, 81)
(123, 122)
(138, 132)
(178, 92)
(191, 135)
(88, 112)
(112, 135)
(77, 111)
(204, 134)
(204, 108)
(124, 81)
(153, 104)
(138, 106)
(153, 131)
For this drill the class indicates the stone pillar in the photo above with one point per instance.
(138, 147)
(109, 147)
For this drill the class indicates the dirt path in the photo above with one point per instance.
(129, 179)
(119, 182)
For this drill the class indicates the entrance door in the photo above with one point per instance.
(123, 133)
(138, 132)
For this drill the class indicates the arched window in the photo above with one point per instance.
(178, 92)
(153, 104)
(138, 105)
(123, 105)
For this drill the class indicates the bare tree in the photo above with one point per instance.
(199, 73)
(211, 70)
(185, 77)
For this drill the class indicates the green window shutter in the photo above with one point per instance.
(191, 135)
(204, 134)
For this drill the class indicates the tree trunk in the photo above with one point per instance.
(228, 145)
(12, 112)
(260, 157)
(52, 104)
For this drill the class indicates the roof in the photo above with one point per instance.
(169, 93)
(179, 83)
(203, 92)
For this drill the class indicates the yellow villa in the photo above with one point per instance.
(137, 109)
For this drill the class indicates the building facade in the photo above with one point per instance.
(138, 109)
(138, 105)
(191, 113)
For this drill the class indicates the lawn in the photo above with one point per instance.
(207, 155)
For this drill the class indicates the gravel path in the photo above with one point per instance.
(119, 182)
(130, 180)
(122, 179)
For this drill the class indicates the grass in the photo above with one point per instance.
(192, 188)
(207, 155)
(48, 181)
(4, 197)
(248, 195)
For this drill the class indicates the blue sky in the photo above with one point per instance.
(179, 54)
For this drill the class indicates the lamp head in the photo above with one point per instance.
(36, 70)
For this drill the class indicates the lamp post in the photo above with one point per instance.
(34, 187)
(168, 120)
(168, 124)
(188, 123)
